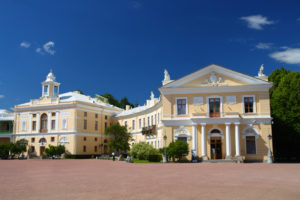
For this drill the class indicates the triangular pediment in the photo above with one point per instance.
(214, 75)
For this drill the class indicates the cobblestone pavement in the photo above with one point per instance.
(103, 179)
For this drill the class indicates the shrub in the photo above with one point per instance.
(55, 150)
(142, 151)
(155, 157)
(177, 149)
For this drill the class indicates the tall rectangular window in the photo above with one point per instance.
(84, 148)
(52, 124)
(155, 119)
(64, 124)
(148, 121)
(125, 123)
(140, 123)
(95, 148)
(24, 125)
(96, 125)
(248, 104)
(85, 114)
(152, 120)
(181, 106)
(144, 122)
(133, 124)
(250, 145)
(33, 125)
(105, 125)
(85, 124)
(96, 115)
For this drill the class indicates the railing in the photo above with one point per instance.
(149, 130)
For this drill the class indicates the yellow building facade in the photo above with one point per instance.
(71, 119)
(220, 113)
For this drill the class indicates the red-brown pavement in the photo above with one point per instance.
(105, 179)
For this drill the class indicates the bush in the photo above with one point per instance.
(142, 151)
(55, 150)
(177, 150)
(14, 148)
(155, 157)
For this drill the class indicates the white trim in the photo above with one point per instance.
(209, 134)
(221, 104)
(186, 106)
(254, 104)
(254, 133)
(182, 132)
(61, 133)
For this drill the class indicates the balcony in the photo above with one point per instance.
(149, 130)
(6, 127)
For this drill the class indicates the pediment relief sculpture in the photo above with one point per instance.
(214, 80)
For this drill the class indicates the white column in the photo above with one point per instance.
(30, 123)
(42, 90)
(56, 121)
(38, 122)
(228, 141)
(195, 147)
(49, 122)
(237, 140)
(203, 142)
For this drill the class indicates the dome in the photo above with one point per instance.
(50, 77)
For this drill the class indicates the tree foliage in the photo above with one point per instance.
(285, 110)
(115, 102)
(15, 149)
(142, 151)
(121, 137)
(55, 150)
(178, 149)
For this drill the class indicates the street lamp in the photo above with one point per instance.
(165, 150)
(270, 159)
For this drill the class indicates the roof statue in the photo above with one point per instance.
(167, 76)
(152, 95)
(50, 77)
(261, 71)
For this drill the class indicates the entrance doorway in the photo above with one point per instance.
(216, 148)
(214, 107)
(42, 151)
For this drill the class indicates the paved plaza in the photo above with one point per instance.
(104, 179)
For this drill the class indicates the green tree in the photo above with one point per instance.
(124, 101)
(111, 99)
(142, 151)
(79, 91)
(121, 137)
(285, 110)
(178, 149)
(4, 150)
(55, 150)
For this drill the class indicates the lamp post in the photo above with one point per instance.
(270, 159)
(165, 150)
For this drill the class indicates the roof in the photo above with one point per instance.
(133, 110)
(6, 115)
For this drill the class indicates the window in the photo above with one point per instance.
(140, 123)
(96, 139)
(181, 106)
(152, 120)
(64, 124)
(96, 125)
(105, 125)
(133, 124)
(52, 139)
(52, 124)
(158, 144)
(84, 138)
(33, 125)
(148, 121)
(158, 118)
(84, 148)
(105, 117)
(46, 90)
(24, 125)
(125, 123)
(34, 115)
(85, 114)
(85, 124)
(96, 115)
(32, 140)
(214, 107)
(105, 141)
(53, 114)
(143, 122)
(155, 119)
(95, 149)
(44, 121)
(32, 149)
(250, 145)
(248, 104)
(55, 90)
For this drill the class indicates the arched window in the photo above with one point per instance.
(42, 142)
(215, 131)
(44, 122)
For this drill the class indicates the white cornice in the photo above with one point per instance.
(220, 89)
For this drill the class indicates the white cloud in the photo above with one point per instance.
(25, 44)
(298, 19)
(1, 96)
(48, 47)
(40, 51)
(257, 21)
(289, 56)
(262, 45)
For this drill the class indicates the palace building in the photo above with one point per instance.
(71, 119)
(220, 113)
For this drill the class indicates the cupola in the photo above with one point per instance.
(50, 88)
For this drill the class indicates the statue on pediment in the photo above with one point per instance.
(214, 80)
(167, 75)
(261, 71)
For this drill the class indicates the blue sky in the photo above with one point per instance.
(122, 47)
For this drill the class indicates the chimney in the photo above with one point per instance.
(127, 107)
